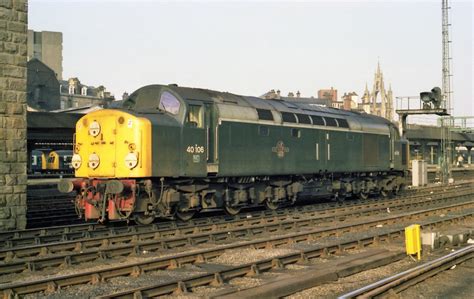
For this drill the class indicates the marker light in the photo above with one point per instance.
(76, 161)
(131, 160)
(94, 128)
(94, 161)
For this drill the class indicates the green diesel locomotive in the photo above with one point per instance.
(173, 151)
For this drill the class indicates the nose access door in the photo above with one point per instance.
(101, 155)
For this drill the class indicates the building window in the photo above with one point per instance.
(72, 89)
(84, 91)
(37, 94)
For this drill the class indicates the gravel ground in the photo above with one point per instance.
(455, 283)
(349, 283)
(248, 255)
(120, 284)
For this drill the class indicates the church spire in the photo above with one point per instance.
(383, 108)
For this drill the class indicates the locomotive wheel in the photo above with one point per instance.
(339, 197)
(397, 189)
(401, 188)
(184, 215)
(232, 211)
(363, 195)
(143, 219)
(272, 205)
(384, 193)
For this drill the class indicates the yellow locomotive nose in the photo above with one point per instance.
(112, 143)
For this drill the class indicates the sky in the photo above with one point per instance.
(250, 47)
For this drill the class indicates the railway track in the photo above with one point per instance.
(408, 278)
(459, 212)
(218, 277)
(76, 252)
(86, 230)
(121, 233)
(48, 207)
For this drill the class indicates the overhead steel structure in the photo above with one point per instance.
(446, 122)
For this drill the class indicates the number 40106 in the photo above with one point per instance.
(195, 149)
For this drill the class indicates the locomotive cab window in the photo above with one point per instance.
(35, 160)
(169, 103)
(194, 116)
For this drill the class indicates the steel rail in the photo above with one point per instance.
(86, 250)
(38, 206)
(161, 232)
(404, 280)
(136, 268)
(87, 230)
(36, 213)
(218, 278)
(53, 220)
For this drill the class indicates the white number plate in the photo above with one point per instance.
(195, 149)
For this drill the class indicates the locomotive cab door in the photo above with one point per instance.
(194, 142)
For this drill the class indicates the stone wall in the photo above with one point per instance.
(13, 157)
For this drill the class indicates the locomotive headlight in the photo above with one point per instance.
(131, 160)
(94, 161)
(94, 128)
(76, 161)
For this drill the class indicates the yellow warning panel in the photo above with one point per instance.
(413, 240)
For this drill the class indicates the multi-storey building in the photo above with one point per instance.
(47, 46)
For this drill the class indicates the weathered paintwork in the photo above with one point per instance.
(110, 135)
(172, 151)
(370, 143)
